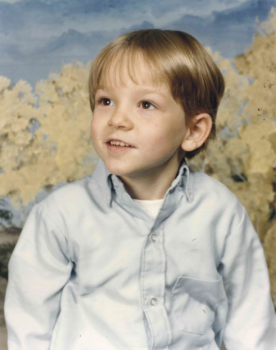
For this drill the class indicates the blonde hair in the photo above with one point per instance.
(173, 57)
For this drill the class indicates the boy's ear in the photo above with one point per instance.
(197, 133)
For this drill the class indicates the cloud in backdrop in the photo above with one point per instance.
(40, 36)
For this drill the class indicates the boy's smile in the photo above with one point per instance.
(153, 123)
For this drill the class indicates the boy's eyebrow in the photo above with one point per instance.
(144, 90)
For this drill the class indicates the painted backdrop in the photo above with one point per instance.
(40, 36)
(46, 48)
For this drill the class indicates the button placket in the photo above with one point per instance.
(153, 284)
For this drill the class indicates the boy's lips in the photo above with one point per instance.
(114, 148)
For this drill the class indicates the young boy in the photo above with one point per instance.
(143, 253)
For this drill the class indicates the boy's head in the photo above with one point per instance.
(157, 91)
(173, 58)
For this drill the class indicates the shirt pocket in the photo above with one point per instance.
(195, 303)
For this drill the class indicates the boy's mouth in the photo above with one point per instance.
(118, 143)
(115, 148)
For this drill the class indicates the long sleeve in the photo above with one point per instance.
(251, 321)
(38, 270)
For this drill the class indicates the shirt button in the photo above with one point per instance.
(154, 301)
(107, 198)
(153, 237)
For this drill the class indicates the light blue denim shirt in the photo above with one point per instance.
(93, 271)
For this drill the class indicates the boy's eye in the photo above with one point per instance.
(105, 99)
(146, 103)
(107, 102)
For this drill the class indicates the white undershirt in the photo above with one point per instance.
(152, 207)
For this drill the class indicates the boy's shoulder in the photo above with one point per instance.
(70, 196)
(211, 191)
(205, 183)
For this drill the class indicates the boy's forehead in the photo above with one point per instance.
(140, 89)
(146, 85)
(140, 85)
(117, 72)
(109, 79)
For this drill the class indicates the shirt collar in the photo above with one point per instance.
(108, 181)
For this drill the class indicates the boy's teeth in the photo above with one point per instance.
(117, 143)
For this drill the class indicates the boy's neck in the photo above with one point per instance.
(154, 187)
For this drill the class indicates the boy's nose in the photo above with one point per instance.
(120, 118)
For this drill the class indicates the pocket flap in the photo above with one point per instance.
(195, 303)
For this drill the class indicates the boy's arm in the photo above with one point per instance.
(251, 321)
(38, 270)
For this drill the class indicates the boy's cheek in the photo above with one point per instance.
(94, 130)
(91, 126)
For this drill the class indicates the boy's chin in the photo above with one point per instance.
(118, 169)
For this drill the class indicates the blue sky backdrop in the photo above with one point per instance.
(40, 36)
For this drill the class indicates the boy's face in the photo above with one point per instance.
(152, 122)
